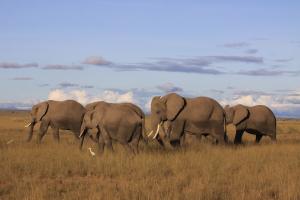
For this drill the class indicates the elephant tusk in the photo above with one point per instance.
(80, 135)
(27, 125)
(157, 130)
(150, 134)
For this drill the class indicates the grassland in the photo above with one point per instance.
(199, 171)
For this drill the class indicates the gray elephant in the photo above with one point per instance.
(258, 120)
(122, 122)
(65, 115)
(173, 116)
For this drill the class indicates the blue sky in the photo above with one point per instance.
(233, 51)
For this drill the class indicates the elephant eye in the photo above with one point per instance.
(158, 111)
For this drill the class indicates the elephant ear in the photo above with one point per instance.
(89, 119)
(240, 114)
(94, 118)
(91, 106)
(174, 104)
(41, 110)
(155, 99)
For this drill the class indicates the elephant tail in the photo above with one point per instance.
(144, 136)
(225, 129)
(275, 131)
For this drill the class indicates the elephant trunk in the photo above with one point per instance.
(164, 136)
(144, 131)
(82, 131)
(155, 123)
(158, 130)
(30, 131)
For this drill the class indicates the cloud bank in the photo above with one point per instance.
(82, 97)
(236, 45)
(169, 87)
(22, 78)
(283, 103)
(200, 65)
(62, 67)
(12, 65)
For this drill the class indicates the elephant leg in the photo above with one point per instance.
(273, 138)
(30, 133)
(55, 134)
(100, 141)
(218, 135)
(108, 144)
(101, 145)
(136, 139)
(173, 133)
(127, 147)
(238, 137)
(135, 146)
(43, 129)
(182, 140)
(158, 139)
(165, 141)
(107, 139)
(258, 138)
(200, 137)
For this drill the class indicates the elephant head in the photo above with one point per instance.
(165, 108)
(236, 114)
(89, 122)
(37, 113)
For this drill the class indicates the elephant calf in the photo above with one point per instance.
(65, 115)
(123, 122)
(258, 120)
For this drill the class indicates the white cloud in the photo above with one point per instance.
(115, 97)
(82, 97)
(249, 100)
(169, 87)
(148, 105)
(58, 95)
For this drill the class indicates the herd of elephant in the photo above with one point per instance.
(172, 118)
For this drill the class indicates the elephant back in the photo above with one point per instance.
(99, 105)
(136, 109)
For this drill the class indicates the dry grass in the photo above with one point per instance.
(200, 171)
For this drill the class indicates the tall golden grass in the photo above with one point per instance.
(198, 171)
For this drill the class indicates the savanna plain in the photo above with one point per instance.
(200, 170)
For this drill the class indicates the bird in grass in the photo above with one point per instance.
(92, 153)
(10, 141)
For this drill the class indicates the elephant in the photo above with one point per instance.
(258, 120)
(122, 122)
(172, 116)
(65, 115)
